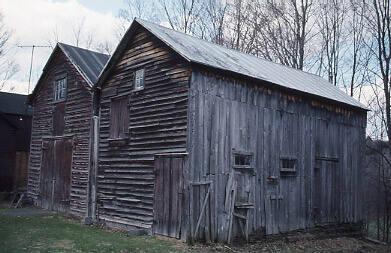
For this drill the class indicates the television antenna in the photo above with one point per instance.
(31, 60)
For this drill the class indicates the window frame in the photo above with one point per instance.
(250, 156)
(135, 78)
(58, 78)
(125, 133)
(288, 171)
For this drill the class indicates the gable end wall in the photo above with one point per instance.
(78, 113)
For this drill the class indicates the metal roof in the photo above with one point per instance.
(90, 63)
(216, 56)
(11, 103)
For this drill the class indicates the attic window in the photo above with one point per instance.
(139, 79)
(60, 87)
(288, 166)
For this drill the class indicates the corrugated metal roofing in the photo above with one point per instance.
(12, 103)
(216, 56)
(89, 62)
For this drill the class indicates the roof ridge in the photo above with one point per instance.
(227, 48)
(216, 56)
(82, 48)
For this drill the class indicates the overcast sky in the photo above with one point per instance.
(34, 22)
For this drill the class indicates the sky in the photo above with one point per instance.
(40, 22)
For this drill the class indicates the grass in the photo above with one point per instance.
(58, 234)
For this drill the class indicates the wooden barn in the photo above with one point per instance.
(61, 128)
(198, 141)
(15, 128)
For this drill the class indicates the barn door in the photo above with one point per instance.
(46, 181)
(168, 200)
(56, 174)
(325, 192)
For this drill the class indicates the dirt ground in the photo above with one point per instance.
(333, 245)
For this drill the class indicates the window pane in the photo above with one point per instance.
(59, 89)
(139, 79)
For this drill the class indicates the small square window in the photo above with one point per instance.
(60, 87)
(241, 160)
(139, 79)
(288, 166)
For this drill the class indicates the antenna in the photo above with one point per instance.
(31, 61)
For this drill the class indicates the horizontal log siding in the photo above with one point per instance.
(227, 113)
(78, 112)
(157, 124)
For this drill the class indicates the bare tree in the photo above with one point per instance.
(182, 15)
(283, 30)
(104, 47)
(8, 68)
(82, 37)
(213, 23)
(378, 26)
(240, 28)
(330, 22)
(77, 30)
(135, 9)
(359, 56)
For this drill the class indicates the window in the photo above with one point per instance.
(60, 87)
(119, 118)
(288, 166)
(139, 79)
(242, 160)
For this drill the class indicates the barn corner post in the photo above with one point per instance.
(91, 214)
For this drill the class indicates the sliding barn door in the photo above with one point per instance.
(168, 199)
(56, 174)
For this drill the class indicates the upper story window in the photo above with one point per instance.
(139, 81)
(60, 88)
(119, 118)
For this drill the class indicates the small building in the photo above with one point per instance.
(61, 129)
(198, 141)
(15, 128)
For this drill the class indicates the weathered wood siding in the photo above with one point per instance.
(157, 124)
(78, 113)
(226, 114)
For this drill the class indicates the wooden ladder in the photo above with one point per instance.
(234, 212)
(17, 199)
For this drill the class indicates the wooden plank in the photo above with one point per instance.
(202, 211)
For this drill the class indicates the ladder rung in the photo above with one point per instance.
(240, 216)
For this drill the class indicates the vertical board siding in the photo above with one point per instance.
(78, 113)
(227, 114)
(157, 124)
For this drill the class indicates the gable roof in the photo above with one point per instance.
(11, 103)
(205, 53)
(88, 63)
